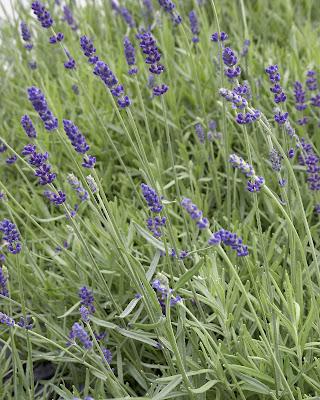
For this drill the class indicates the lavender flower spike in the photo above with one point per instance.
(77, 140)
(28, 126)
(195, 213)
(152, 199)
(40, 105)
(11, 236)
(78, 332)
(194, 25)
(229, 239)
(6, 320)
(255, 183)
(55, 198)
(42, 14)
(88, 49)
(3, 283)
(130, 55)
(87, 299)
(77, 186)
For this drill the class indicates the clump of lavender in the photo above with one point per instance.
(88, 49)
(42, 14)
(3, 283)
(68, 18)
(229, 239)
(125, 13)
(11, 236)
(155, 224)
(104, 72)
(194, 26)
(154, 203)
(27, 125)
(215, 37)
(161, 286)
(11, 160)
(56, 38)
(55, 198)
(26, 35)
(3, 147)
(230, 60)
(256, 182)
(311, 82)
(195, 213)
(77, 186)
(152, 199)
(130, 55)
(169, 7)
(40, 105)
(153, 56)
(6, 320)
(309, 159)
(77, 140)
(39, 160)
(107, 355)
(239, 102)
(200, 132)
(279, 95)
(245, 48)
(78, 332)
(275, 160)
(87, 299)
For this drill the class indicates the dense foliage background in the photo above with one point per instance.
(238, 327)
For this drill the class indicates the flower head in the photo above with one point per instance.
(3, 283)
(88, 49)
(78, 332)
(87, 299)
(55, 198)
(77, 186)
(194, 26)
(42, 14)
(28, 126)
(11, 236)
(152, 199)
(195, 213)
(216, 38)
(40, 105)
(6, 320)
(229, 239)
(77, 140)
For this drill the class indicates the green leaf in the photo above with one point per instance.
(188, 275)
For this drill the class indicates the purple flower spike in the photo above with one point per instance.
(55, 198)
(107, 355)
(78, 332)
(229, 57)
(25, 32)
(77, 140)
(3, 283)
(6, 320)
(200, 132)
(127, 17)
(169, 7)
(87, 299)
(11, 236)
(281, 118)
(11, 160)
(40, 105)
(88, 49)
(68, 18)
(215, 37)
(88, 161)
(229, 239)
(152, 199)
(195, 213)
(130, 55)
(28, 126)
(42, 14)
(160, 89)
(300, 96)
(194, 26)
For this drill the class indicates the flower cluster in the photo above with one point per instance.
(38, 160)
(68, 18)
(279, 95)
(300, 97)
(245, 48)
(77, 186)
(315, 100)
(152, 199)
(79, 143)
(56, 38)
(3, 283)
(153, 56)
(71, 63)
(42, 14)
(88, 49)
(26, 35)
(194, 26)
(28, 126)
(309, 159)
(25, 323)
(219, 38)
(235, 97)
(11, 160)
(107, 355)
(3, 147)
(130, 55)
(87, 299)
(256, 182)
(231, 240)
(78, 332)
(154, 203)
(230, 60)
(311, 81)
(103, 71)
(161, 286)
(154, 225)
(200, 132)
(6, 320)
(195, 213)
(169, 7)
(127, 17)
(11, 236)
(55, 198)
(40, 105)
